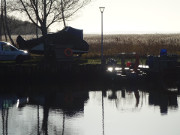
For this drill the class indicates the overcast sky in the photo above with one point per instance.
(129, 16)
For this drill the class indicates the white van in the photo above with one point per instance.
(10, 53)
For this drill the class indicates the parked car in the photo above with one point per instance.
(9, 52)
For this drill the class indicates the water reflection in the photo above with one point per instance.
(68, 103)
(156, 98)
(165, 101)
(67, 111)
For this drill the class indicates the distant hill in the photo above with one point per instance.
(18, 27)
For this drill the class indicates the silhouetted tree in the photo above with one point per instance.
(62, 11)
(46, 12)
(6, 22)
(1, 21)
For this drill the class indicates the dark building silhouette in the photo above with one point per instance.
(67, 38)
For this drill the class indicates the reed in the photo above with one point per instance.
(143, 44)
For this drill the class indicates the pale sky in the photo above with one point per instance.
(129, 16)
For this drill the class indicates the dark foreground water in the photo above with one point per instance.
(127, 109)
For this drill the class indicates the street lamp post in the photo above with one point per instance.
(102, 10)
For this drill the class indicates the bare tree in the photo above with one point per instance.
(43, 13)
(1, 21)
(62, 11)
(4, 27)
(6, 22)
(2, 24)
(37, 22)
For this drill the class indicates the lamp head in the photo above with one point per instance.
(101, 9)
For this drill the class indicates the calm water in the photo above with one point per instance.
(135, 110)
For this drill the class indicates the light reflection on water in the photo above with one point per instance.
(110, 112)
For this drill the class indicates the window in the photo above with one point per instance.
(6, 47)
